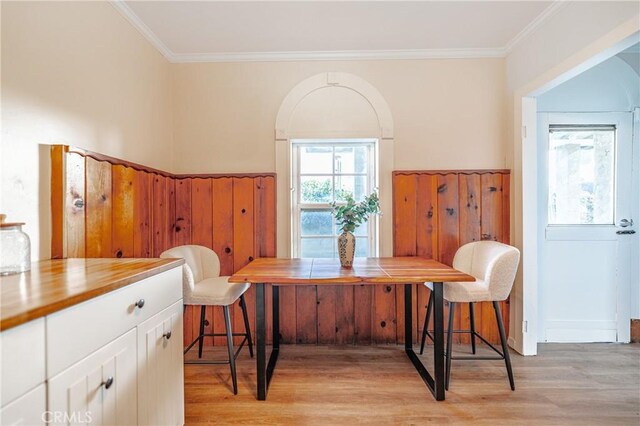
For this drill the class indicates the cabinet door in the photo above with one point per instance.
(99, 390)
(160, 369)
(29, 409)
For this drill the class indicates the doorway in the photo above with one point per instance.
(585, 226)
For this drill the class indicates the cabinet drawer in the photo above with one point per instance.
(28, 410)
(75, 332)
(100, 389)
(22, 351)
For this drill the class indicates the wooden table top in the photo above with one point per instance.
(369, 270)
(53, 285)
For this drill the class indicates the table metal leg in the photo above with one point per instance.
(436, 386)
(261, 369)
(438, 341)
(265, 370)
(273, 359)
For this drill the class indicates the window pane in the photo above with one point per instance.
(316, 189)
(581, 176)
(317, 247)
(316, 159)
(351, 159)
(316, 222)
(354, 185)
(362, 247)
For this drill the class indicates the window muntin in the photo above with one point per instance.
(581, 175)
(325, 171)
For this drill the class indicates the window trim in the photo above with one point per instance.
(297, 207)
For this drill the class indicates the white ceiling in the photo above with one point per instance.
(186, 31)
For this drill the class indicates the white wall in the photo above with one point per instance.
(448, 114)
(609, 86)
(75, 73)
(577, 36)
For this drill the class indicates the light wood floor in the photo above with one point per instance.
(564, 384)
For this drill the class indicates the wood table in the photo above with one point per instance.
(386, 270)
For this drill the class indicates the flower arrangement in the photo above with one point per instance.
(351, 215)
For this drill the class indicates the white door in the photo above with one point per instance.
(100, 389)
(160, 368)
(586, 227)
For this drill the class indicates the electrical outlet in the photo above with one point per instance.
(524, 326)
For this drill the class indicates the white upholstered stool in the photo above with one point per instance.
(494, 266)
(203, 286)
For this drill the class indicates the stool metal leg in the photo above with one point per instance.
(232, 359)
(203, 312)
(472, 320)
(505, 347)
(426, 322)
(449, 341)
(247, 328)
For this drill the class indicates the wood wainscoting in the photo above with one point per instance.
(107, 207)
(434, 213)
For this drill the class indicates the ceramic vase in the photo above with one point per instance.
(346, 249)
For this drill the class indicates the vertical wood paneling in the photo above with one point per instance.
(363, 310)
(454, 208)
(405, 224)
(306, 314)
(223, 223)
(98, 208)
(264, 204)
(122, 210)
(222, 240)
(345, 315)
(142, 214)
(447, 217)
(183, 212)
(470, 209)
(492, 228)
(327, 299)
(243, 242)
(202, 212)
(160, 215)
(75, 212)
(202, 234)
(57, 202)
(426, 237)
(384, 314)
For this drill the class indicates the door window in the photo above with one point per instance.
(581, 175)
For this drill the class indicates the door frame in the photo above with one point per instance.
(523, 336)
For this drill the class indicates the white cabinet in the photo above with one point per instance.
(19, 347)
(115, 359)
(160, 369)
(27, 410)
(99, 390)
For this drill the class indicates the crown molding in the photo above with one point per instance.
(146, 32)
(340, 55)
(547, 13)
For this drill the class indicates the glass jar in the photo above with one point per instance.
(15, 249)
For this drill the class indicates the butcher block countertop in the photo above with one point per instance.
(53, 285)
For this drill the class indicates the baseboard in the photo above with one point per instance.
(635, 331)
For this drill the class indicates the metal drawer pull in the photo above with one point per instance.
(139, 303)
(107, 383)
(167, 335)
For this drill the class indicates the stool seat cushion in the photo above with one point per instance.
(216, 291)
(477, 291)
